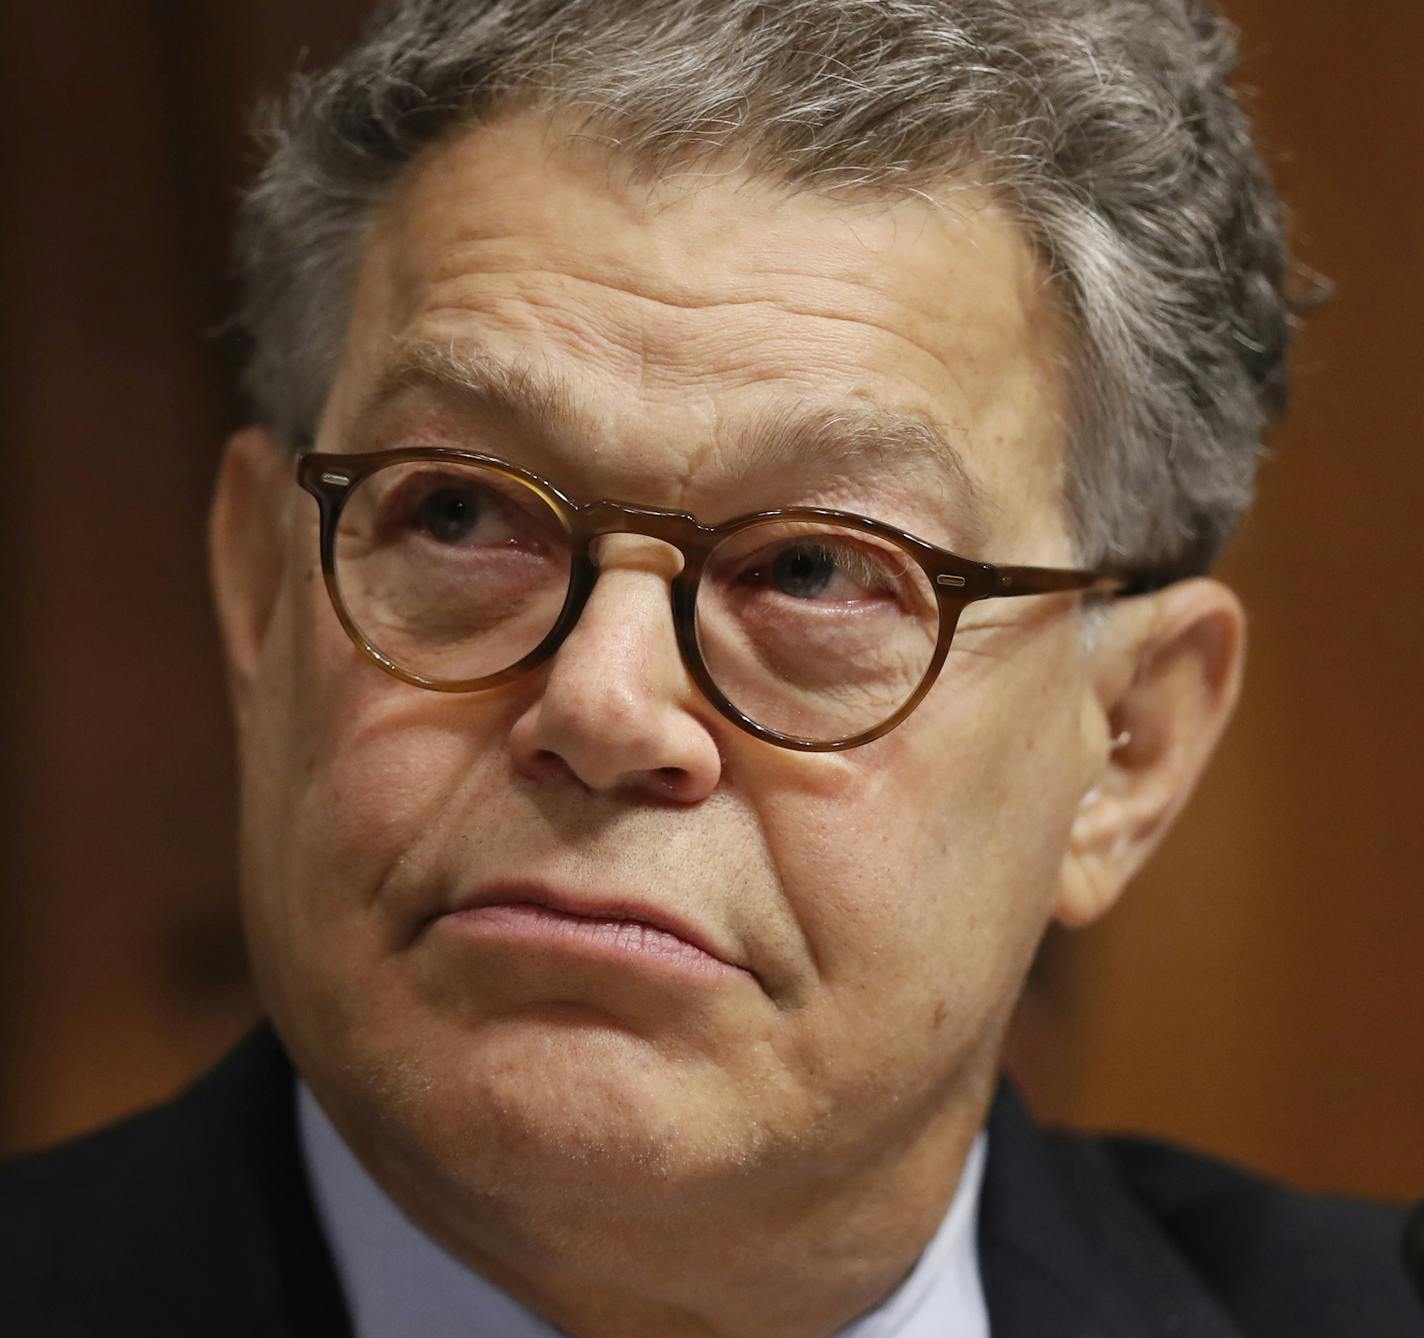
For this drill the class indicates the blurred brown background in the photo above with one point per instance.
(1259, 993)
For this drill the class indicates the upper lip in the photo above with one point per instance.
(593, 907)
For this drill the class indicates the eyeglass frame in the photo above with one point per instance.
(331, 478)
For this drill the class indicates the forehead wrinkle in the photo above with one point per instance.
(663, 302)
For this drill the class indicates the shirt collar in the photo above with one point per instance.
(397, 1280)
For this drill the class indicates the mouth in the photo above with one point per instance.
(616, 931)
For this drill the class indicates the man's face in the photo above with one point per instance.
(870, 914)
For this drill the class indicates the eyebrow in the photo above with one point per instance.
(865, 439)
(538, 397)
(856, 437)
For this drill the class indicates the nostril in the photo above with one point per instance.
(674, 783)
(548, 763)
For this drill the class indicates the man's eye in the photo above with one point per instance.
(803, 571)
(449, 514)
(821, 569)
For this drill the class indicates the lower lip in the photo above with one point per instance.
(629, 942)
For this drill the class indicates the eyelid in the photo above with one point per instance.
(848, 552)
(859, 567)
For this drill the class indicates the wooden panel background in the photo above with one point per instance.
(1258, 993)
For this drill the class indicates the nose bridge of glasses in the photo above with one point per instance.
(642, 537)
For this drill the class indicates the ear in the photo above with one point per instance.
(245, 550)
(1166, 673)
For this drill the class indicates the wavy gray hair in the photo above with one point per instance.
(1106, 126)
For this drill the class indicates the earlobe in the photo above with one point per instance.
(245, 549)
(1168, 684)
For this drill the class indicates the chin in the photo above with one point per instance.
(554, 1099)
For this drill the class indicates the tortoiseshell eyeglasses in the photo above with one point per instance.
(812, 629)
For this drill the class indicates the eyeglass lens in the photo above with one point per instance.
(454, 572)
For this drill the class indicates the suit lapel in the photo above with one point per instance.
(304, 1297)
(1064, 1250)
(229, 1244)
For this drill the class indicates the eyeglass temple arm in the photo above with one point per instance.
(1009, 581)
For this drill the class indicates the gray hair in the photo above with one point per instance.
(1106, 126)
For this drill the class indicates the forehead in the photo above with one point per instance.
(685, 327)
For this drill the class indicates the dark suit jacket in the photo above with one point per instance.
(194, 1219)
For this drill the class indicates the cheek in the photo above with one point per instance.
(924, 875)
(346, 772)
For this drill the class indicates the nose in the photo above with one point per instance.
(616, 710)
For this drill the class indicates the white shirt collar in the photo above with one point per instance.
(398, 1281)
